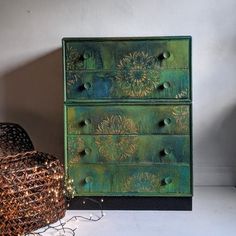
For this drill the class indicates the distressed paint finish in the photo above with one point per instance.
(128, 149)
(128, 116)
(103, 54)
(156, 69)
(105, 85)
(131, 180)
(128, 119)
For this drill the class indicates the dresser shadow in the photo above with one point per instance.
(33, 98)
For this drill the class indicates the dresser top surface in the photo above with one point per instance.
(126, 38)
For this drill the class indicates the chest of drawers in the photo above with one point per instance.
(128, 121)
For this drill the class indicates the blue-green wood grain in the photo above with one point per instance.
(103, 69)
(142, 145)
(148, 149)
(131, 180)
(129, 119)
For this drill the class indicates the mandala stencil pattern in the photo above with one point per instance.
(72, 82)
(137, 74)
(180, 114)
(74, 61)
(117, 124)
(113, 147)
(182, 94)
(142, 182)
(75, 146)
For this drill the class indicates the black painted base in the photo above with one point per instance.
(132, 203)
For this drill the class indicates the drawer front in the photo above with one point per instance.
(128, 149)
(131, 180)
(106, 69)
(128, 119)
(168, 84)
(105, 54)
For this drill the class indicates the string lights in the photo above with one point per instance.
(31, 192)
(63, 228)
(35, 193)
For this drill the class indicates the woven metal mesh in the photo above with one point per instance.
(31, 186)
(13, 139)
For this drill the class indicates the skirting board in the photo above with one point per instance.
(132, 203)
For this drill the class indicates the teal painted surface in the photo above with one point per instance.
(128, 69)
(107, 54)
(130, 149)
(104, 85)
(128, 119)
(131, 180)
(128, 116)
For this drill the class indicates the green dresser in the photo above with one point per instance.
(128, 121)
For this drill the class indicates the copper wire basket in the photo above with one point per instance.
(31, 185)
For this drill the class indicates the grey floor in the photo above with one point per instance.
(214, 214)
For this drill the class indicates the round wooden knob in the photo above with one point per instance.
(87, 151)
(167, 121)
(87, 121)
(86, 55)
(167, 180)
(87, 85)
(166, 54)
(84, 123)
(88, 179)
(166, 151)
(166, 85)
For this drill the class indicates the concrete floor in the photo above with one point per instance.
(214, 214)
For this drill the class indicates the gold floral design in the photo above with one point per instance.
(181, 114)
(75, 147)
(73, 59)
(182, 94)
(142, 182)
(73, 80)
(137, 75)
(113, 147)
(116, 124)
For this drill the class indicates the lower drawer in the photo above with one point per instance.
(131, 180)
(128, 149)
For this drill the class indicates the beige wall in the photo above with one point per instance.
(31, 90)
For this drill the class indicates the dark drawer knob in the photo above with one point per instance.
(165, 122)
(165, 152)
(87, 85)
(166, 181)
(88, 179)
(165, 85)
(86, 151)
(85, 122)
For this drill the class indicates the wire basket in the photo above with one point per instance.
(31, 192)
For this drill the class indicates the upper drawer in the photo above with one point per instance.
(125, 68)
(170, 84)
(128, 119)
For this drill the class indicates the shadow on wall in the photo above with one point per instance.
(217, 150)
(34, 99)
